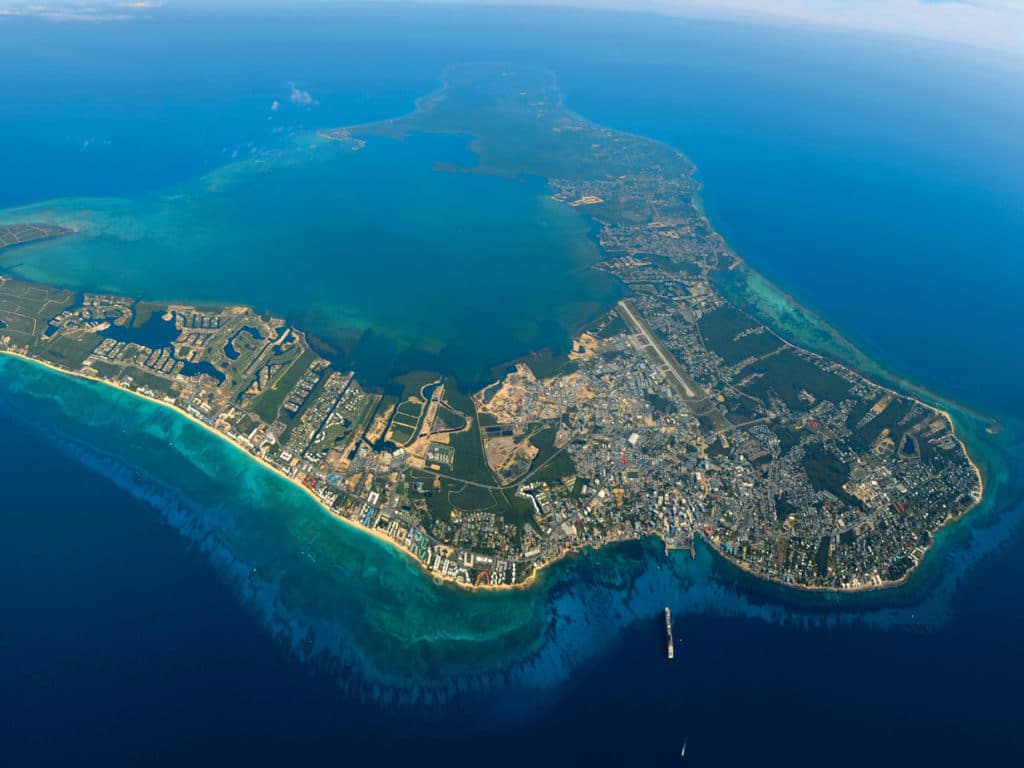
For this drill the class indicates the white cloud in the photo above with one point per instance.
(275, 105)
(300, 97)
(995, 24)
(79, 11)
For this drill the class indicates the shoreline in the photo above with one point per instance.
(946, 522)
(892, 383)
(888, 379)
(437, 578)
(531, 580)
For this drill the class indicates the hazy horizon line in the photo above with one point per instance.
(993, 25)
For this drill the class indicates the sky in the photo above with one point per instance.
(995, 25)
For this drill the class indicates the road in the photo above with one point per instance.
(673, 370)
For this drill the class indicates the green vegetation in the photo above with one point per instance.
(715, 449)
(740, 410)
(140, 378)
(144, 311)
(439, 509)
(406, 421)
(470, 463)
(544, 441)
(784, 507)
(546, 364)
(240, 371)
(355, 415)
(245, 424)
(827, 472)
(409, 411)
(515, 125)
(661, 404)
(720, 329)
(858, 412)
(690, 268)
(899, 568)
(561, 466)
(384, 406)
(107, 371)
(610, 327)
(26, 309)
(400, 434)
(787, 374)
(268, 404)
(821, 556)
(446, 418)
(711, 419)
(788, 436)
(13, 235)
(472, 497)
(551, 464)
(515, 509)
(244, 343)
(512, 134)
(862, 439)
(69, 350)
(413, 381)
(333, 435)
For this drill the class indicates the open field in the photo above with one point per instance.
(268, 404)
(734, 336)
(19, 234)
(788, 374)
(26, 309)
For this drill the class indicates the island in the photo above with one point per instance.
(676, 413)
(20, 234)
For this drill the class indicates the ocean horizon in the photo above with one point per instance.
(201, 608)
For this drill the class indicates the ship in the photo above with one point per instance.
(668, 633)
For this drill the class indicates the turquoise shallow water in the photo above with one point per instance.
(304, 571)
(395, 265)
(439, 663)
(330, 591)
(391, 666)
(878, 183)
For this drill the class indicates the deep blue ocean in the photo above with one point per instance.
(880, 185)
